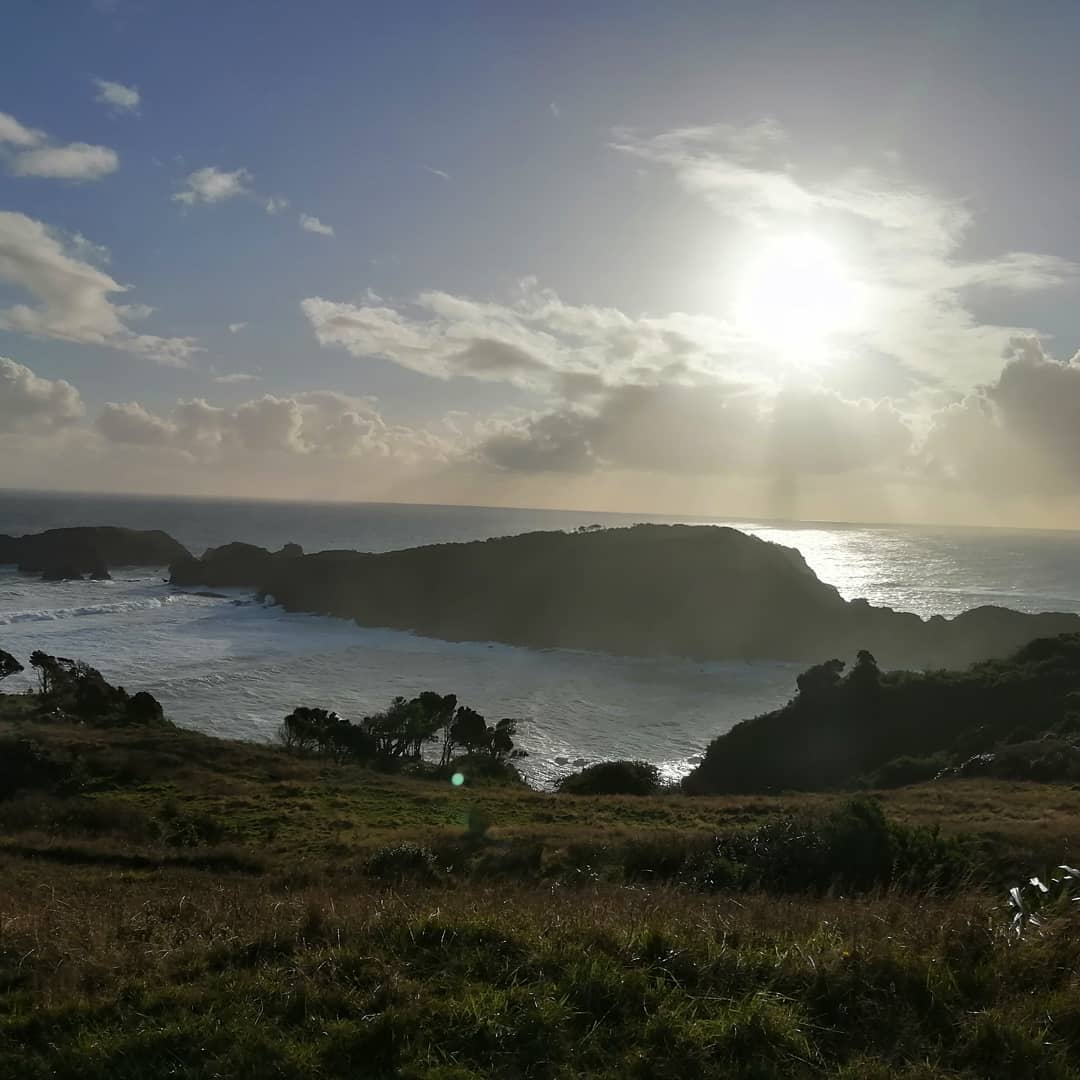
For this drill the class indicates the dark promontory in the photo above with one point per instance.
(651, 590)
(89, 549)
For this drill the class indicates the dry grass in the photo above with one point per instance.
(205, 909)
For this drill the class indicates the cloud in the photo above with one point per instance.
(36, 155)
(554, 110)
(901, 240)
(76, 161)
(31, 403)
(308, 424)
(72, 296)
(314, 225)
(234, 377)
(213, 185)
(118, 97)
(236, 327)
(536, 341)
(1019, 433)
(722, 429)
(437, 172)
(14, 134)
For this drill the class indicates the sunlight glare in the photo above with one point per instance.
(795, 294)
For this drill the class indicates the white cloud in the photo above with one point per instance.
(313, 423)
(15, 134)
(76, 161)
(117, 96)
(31, 403)
(536, 341)
(442, 174)
(36, 155)
(554, 110)
(1019, 433)
(233, 377)
(236, 327)
(275, 204)
(72, 296)
(714, 430)
(314, 225)
(213, 185)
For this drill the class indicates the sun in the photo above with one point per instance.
(796, 294)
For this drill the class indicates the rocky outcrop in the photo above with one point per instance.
(651, 590)
(62, 554)
(234, 564)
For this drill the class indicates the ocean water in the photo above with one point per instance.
(234, 667)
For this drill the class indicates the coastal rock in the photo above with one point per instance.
(61, 572)
(651, 590)
(60, 554)
(235, 564)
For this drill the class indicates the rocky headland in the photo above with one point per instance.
(89, 550)
(706, 592)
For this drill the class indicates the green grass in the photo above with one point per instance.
(199, 908)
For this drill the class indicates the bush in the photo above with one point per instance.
(476, 767)
(403, 862)
(26, 765)
(902, 771)
(855, 848)
(612, 778)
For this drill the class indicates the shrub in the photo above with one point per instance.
(613, 778)
(855, 848)
(26, 765)
(403, 862)
(906, 770)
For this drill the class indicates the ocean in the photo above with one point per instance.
(233, 667)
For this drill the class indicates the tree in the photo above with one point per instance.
(820, 678)
(311, 729)
(469, 731)
(53, 673)
(865, 677)
(9, 665)
(501, 741)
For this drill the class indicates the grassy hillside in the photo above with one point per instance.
(175, 905)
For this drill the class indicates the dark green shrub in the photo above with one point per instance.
(906, 770)
(613, 778)
(402, 862)
(26, 765)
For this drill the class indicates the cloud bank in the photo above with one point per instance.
(71, 298)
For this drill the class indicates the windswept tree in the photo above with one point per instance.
(468, 731)
(406, 725)
(319, 730)
(501, 741)
(78, 688)
(9, 665)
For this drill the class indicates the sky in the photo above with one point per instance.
(744, 259)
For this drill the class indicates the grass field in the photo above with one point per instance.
(199, 908)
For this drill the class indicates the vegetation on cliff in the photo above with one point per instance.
(1018, 718)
